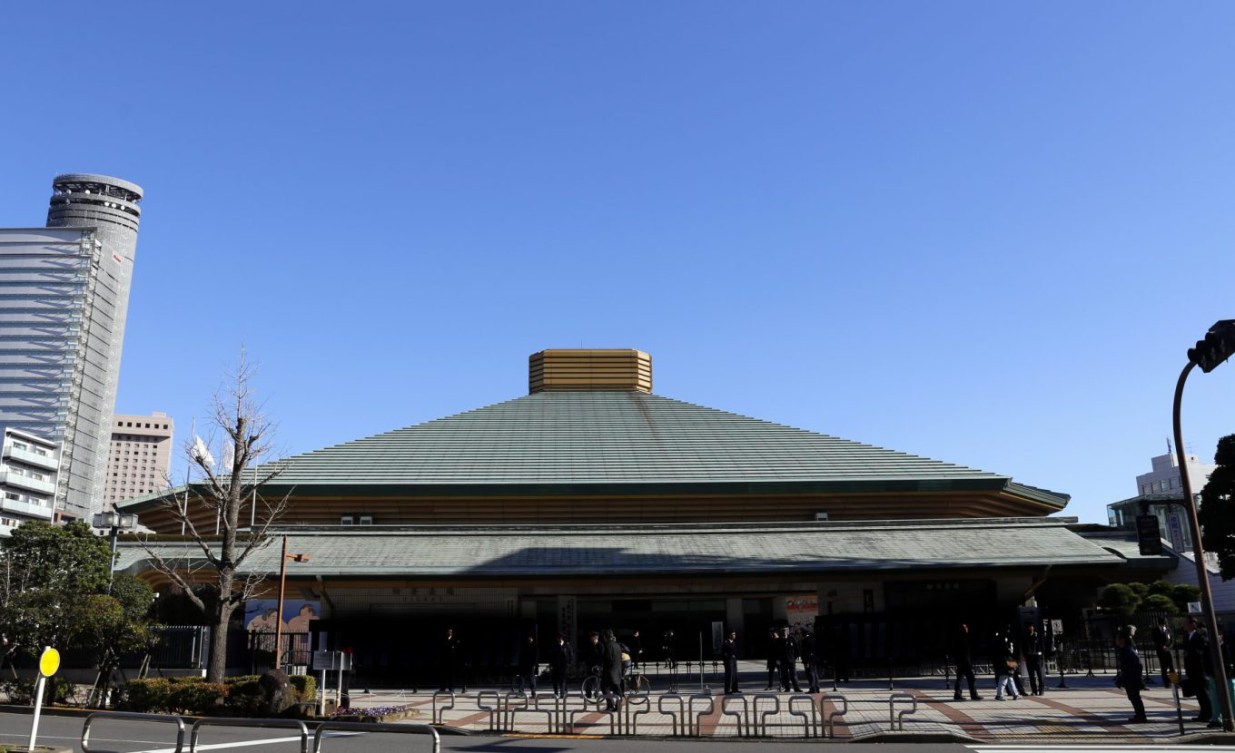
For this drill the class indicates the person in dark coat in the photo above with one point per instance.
(561, 657)
(1005, 661)
(1035, 652)
(1130, 673)
(962, 654)
(1163, 642)
(773, 658)
(788, 662)
(729, 652)
(449, 659)
(1197, 669)
(810, 660)
(611, 672)
(636, 651)
(529, 663)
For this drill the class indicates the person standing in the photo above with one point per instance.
(810, 659)
(448, 659)
(611, 672)
(729, 652)
(773, 657)
(788, 662)
(1130, 673)
(560, 660)
(1163, 641)
(1197, 670)
(529, 663)
(962, 654)
(1035, 651)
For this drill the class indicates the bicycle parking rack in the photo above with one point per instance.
(761, 717)
(402, 729)
(898, 720)
(494, 710)
(681, 712)
(97, 715)
(441, 719)
(571, 713)
(531, 705)
(810, 721)
(743, 717)
(251, 723)
(696, 718)
(829, 720)
(635, 706)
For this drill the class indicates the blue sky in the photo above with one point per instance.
(981, 232)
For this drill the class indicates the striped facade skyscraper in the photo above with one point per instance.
(64, 292)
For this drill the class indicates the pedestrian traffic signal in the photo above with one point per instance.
(1218, 345)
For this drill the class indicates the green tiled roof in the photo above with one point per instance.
(527, 551)
(616, 438)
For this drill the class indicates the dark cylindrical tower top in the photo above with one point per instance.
(80, 199)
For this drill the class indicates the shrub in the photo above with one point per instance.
(306, 687)
(197, 697)
(146, 696)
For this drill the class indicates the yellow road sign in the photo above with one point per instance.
(49, 662)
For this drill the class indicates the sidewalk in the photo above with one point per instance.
(1089, 709)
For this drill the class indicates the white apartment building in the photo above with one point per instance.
(1160, 493)
(28, 469)
(140, 457)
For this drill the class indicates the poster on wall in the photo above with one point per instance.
(802, 610)
(259, 615)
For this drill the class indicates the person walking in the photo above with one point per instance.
(1197, 669)
(636, 651)
(773, 657)
(810, 659)
(611, 672)
(962, 654)
(1130, 672)
(1035, 651)
(729, 652)
(1004, 660)
(1163, 642)
(788, 662)
(529, 663)
(560, 659)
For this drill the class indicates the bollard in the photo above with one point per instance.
(493, 710)
(634, 707)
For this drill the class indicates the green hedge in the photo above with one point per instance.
(238, 696)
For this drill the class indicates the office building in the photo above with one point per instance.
(64, 293)
(140, 458)
(1161, 494)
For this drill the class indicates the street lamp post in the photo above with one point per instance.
(1217, 347)
(117, 522)
(278, 630)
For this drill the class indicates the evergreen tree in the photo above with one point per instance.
(1217, 508)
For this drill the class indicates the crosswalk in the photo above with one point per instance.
(1040, 748)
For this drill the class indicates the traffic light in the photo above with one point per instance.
(1218, 345)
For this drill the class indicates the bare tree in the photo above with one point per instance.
(221, 508)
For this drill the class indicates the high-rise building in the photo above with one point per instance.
(64, 292)
(140, 457)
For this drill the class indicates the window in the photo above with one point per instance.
(346, 520)
(366, 520)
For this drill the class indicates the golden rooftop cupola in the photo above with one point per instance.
(575, 370)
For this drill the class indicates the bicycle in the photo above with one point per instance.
(591, 687)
